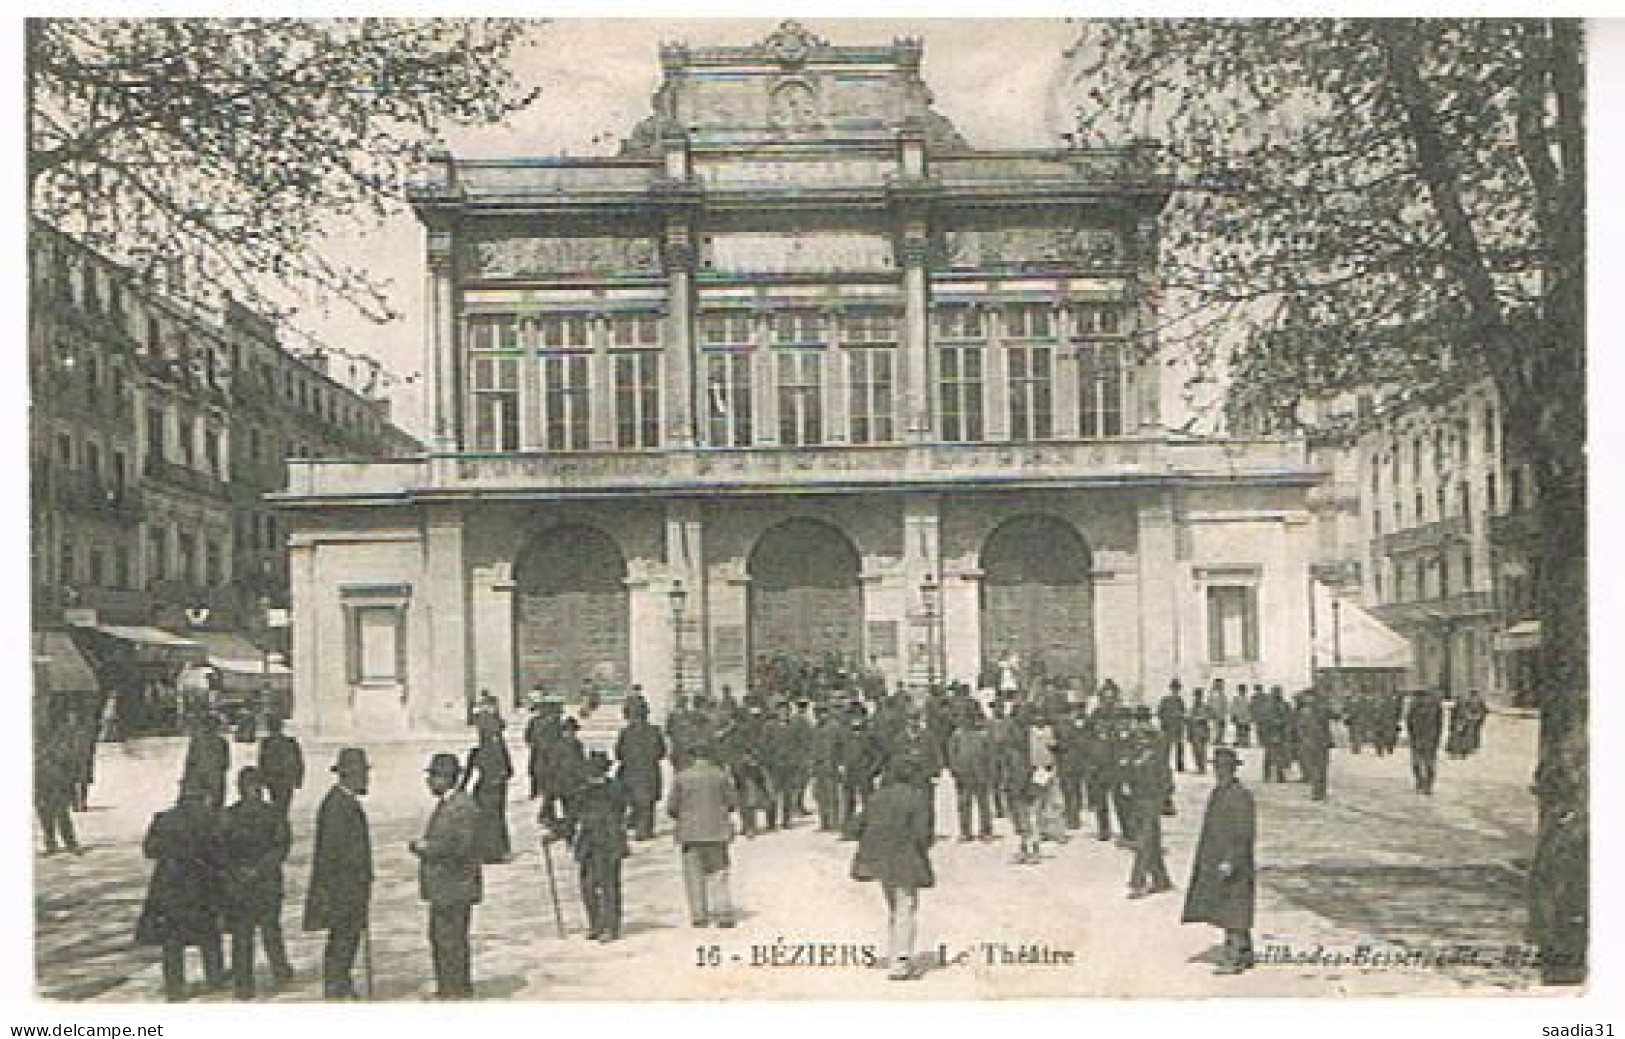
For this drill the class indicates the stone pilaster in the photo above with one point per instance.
(680, 348)
(492, 610)
(440, 691)
(443, 351)
(1160, 599)
(962, 626)
(650, 664)
(318, 696)
(913, 252)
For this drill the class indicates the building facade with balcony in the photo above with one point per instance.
(152, 447)
(798, 376)
(1448, 532)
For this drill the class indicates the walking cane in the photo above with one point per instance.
(552, 884)
(366, 963)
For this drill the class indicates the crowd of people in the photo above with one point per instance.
(858, 763)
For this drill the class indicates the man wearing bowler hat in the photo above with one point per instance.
(341, 873)
(449, 876)
(1222, 891)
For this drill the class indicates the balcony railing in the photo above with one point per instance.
(82, 492)
(1438, 610)
(174, 474)
(1426, 536)
(832, 467)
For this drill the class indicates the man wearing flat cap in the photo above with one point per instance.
(340, 890)
(449, 876)
(1222, 891)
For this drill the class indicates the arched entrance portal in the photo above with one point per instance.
(1038, 599)
(806, 606)
(570, 615)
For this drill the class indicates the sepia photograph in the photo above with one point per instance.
(806, 509)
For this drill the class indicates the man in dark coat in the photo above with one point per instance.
(208, 759)
(449, 876)
(1130, 729)
(1171, 718)
(1424, 721)
(781, 761)
(1314, 729)
(894, 844)
(801, 739)
(254, 843)
(600, 809)
(1222, 883)
(81, 742)
(1099, 765)
(1072, 760)
(640, 748)
(340, 891)
(540, 731)
(742, 745)
(970, 761)
(54, 772)
(1199, 729)
(824, 766)
(858, 754)
(1273, 718)
(1150, 785)
(282, 764)
(185, 897)
(910, 743)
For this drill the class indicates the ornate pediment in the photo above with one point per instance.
(793, 87)
(791, 43)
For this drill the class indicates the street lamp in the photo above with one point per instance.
(679, 602)
(931, 604)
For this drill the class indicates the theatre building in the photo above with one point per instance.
(798, 376)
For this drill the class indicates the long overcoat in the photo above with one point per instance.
(449, 853)
(640, 748)
(254, 843)
(185, 897)
(340, 864)
(894, 838)
(1228, 834)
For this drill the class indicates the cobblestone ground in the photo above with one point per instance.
(1376, 865)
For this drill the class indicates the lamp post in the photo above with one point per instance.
(679, 602)
(931, 605)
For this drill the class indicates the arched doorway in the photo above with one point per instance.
(806, 605)
(570, 614)
(1037, 599)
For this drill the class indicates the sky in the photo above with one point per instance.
(1001, 82)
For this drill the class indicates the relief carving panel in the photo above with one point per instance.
(1030, 248)
(521, 256)
(806, 253)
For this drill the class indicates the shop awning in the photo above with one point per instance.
(59, 667)
(232, 652)
(241, 665)
(155, 643)
(1520, 636)
(1349, 638)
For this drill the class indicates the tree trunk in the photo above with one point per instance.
(1539, 366)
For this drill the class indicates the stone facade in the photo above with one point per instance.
(798, 375)
(1447, 517)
